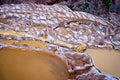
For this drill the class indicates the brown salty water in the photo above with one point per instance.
(21, 64)
(106, 60)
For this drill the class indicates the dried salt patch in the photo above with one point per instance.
(75, 32)
(36, 21)
(27, 35)
(63, 39)
(50, 38)
(79, 41)
(50, 16)
(42, 32)
(7, 7)
(9, 14)
(4, 16)
(50, 22)
(102, 21)
(70, 70)
(91, 37)
(72, 38)
(55, 20)
(100, 32)
(61, 10)
(17, 28)
(43, 22)
(36, 12)
(85, 38)
(67, 15)
(17, 7)
(27, 16)
(42, 17)
(60, 15)
(13, 10)
(72, 24)
(83, 66)
(58, 30)
(110, 77)
(59, 37)
(101, 46)
(68, 36)
(22, 15)
(68, 29)
(1, 45)
(24, 11)
(17, 15)
(18, 11)
(37, 33)
(78, 68)
(80, 32)
(116, 42)
(78, 14)
(34, 17)
(26, 29)
(1, 10)
(83, 15)
(69, 40)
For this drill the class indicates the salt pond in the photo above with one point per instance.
(106, 60)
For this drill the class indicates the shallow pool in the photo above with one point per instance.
(106, 60)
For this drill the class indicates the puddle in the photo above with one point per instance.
(22, 64)
(106, 60)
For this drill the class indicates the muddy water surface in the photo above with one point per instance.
(107, 60)
(21, 64)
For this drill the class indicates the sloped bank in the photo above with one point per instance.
(61, 31)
